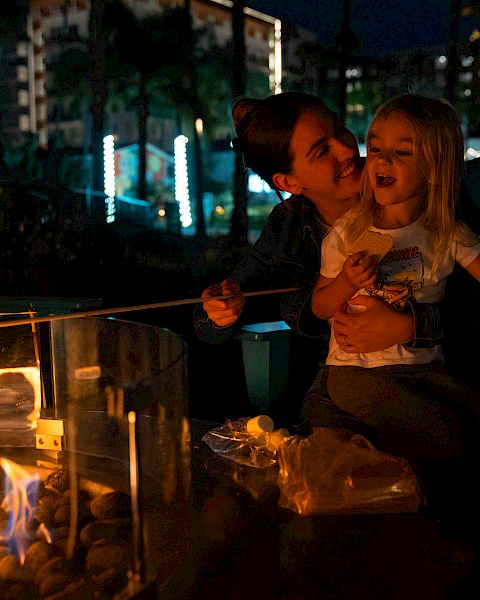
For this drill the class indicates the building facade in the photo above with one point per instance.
(56, 26)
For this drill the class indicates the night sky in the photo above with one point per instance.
(382, 26)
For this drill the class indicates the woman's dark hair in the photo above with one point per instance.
(264, 130)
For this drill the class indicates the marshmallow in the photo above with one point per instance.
(260, 424)
(277, 437)
(92, 372)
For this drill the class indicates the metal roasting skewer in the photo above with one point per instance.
(36, 349)
(138, 559)
(73, 479)
(124, 309)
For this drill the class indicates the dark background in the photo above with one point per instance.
(382, 26)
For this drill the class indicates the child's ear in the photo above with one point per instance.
(287, 183)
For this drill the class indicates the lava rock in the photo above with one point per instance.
(112, 530)
(39, 553)
(113, 505)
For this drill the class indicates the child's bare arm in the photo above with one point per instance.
(329, 295)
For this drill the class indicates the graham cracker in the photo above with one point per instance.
(373, 243)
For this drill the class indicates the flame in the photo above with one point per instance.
(21, 488)
(44, 534)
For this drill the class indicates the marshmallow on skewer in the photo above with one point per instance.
(260, 424)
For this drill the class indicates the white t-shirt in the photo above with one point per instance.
(408, 266)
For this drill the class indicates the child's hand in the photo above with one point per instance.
(359, 270)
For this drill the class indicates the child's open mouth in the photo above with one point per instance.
(384, 180)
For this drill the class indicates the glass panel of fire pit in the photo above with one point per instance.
(107, 515)
(20, 387)
(94, 355)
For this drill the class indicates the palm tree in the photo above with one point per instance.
(126, 59)
(133, 58)
(13, 17)
(150, 65)
(239, 224)
(153, 63)
(347, 42)
(12, 21)
(468, 11)
(314, 55)
(196, 106)
(452, 51)
(98, 42)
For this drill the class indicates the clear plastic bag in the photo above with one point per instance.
(335, 471)
(260, 483)
(235, 442)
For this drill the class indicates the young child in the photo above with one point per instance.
(410, 189)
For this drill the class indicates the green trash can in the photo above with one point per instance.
(266, 359)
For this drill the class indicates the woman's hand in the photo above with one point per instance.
(372, 327)
(224, 312)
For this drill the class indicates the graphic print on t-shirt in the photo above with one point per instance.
(399, 274)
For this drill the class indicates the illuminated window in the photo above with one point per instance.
(24, 123)
(23, 98)
(22, 49)
(465, 76)
(441, 62)
(22, 73)
(467, 61)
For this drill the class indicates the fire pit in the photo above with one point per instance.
(94, 494)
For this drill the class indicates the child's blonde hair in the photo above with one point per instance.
(439, 149)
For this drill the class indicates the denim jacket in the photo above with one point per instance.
(287, 254)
